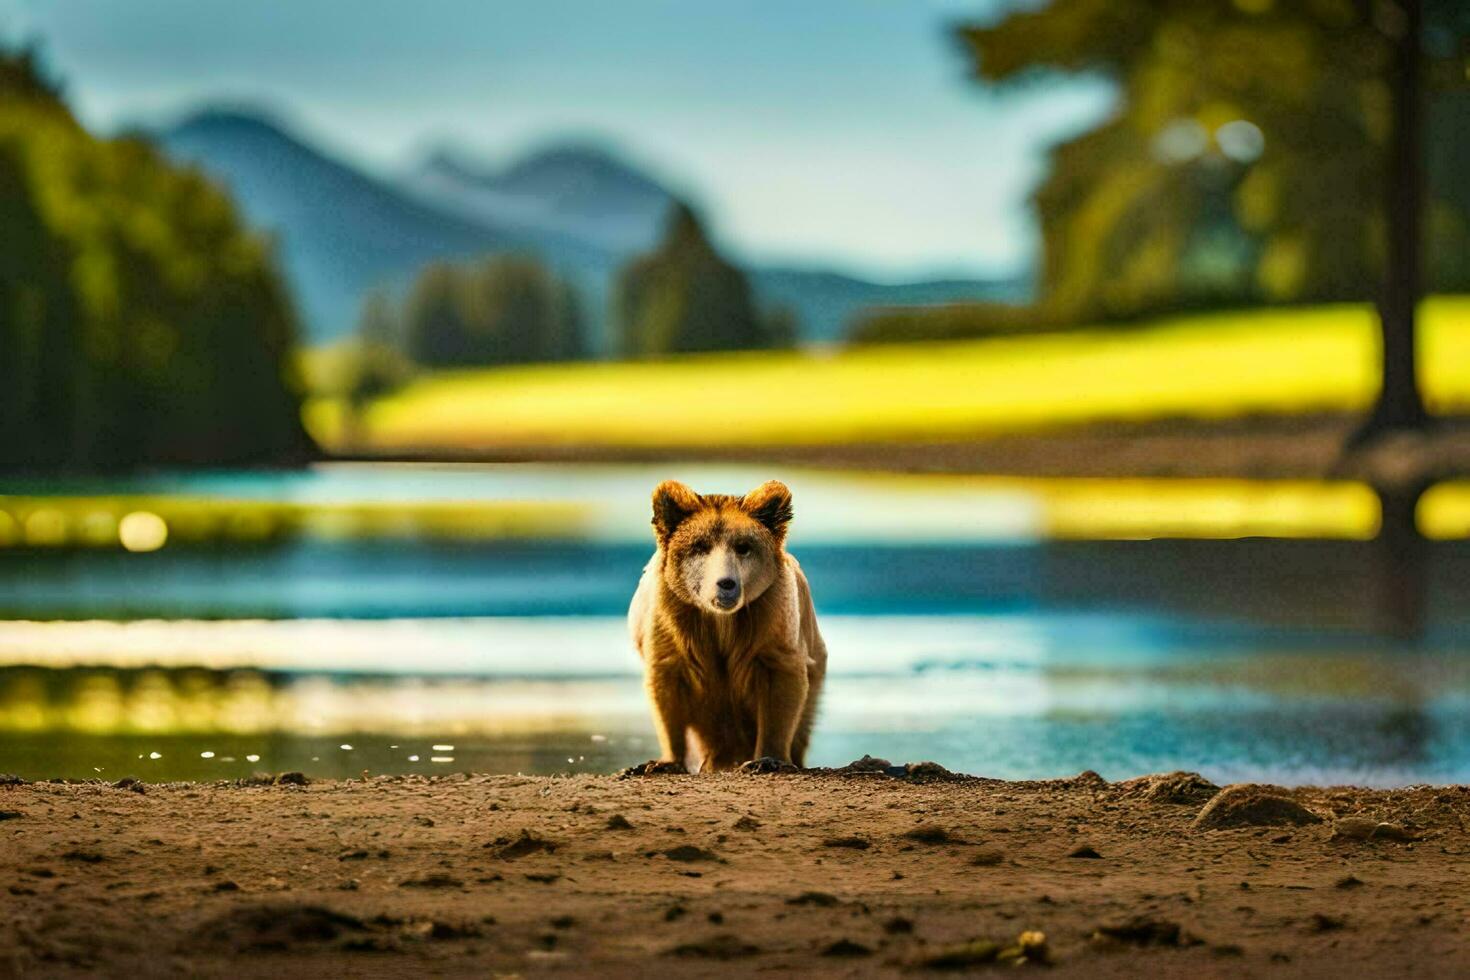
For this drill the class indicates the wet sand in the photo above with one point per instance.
(845, 872)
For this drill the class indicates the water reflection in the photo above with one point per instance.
(921, 689)
(1402, 561)
(605, 503)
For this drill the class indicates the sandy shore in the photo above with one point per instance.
(832, 873)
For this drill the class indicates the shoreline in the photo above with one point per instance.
(858, 871)
(1266, 446)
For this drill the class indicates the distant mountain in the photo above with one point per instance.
(581, 210)
(340, 231)
(586, 192)
(573, 189)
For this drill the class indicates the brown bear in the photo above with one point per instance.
(724, 622)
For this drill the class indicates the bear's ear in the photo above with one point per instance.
(672, 503)
(770, 503)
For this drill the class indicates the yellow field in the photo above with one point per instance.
(1202, 366)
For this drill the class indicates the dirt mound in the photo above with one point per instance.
(916, 772)
(1253, 805)
(1184, 788)
(870, 764)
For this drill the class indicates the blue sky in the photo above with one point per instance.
(810, 130)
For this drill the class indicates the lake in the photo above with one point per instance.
(435, 619)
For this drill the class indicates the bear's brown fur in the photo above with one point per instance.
(724, 622)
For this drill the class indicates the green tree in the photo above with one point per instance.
(512, 313)
(377, 362)
(1242, 163)
(782, 327)
(569, 340)
(433, 318)
(42, 372)
(503, 310)
(684, 297)
(140, 323)
(378, 325)
(1264, 150)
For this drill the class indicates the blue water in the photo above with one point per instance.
(956, 635)
(1017, 695)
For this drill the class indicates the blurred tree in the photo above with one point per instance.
(517, 312)
(782, 327)
(139, 322)
(373, 363)
(1251, 138)
(570, 340)
(1400, 403)
(42, 370)
(378, 364)
(23, 80)
(684, 297)
(504, 310)
(378, 325)
(433, 318)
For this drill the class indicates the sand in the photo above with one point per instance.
(844, 873)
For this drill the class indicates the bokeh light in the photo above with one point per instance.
(142, 531)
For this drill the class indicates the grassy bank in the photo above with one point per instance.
(1204, 366)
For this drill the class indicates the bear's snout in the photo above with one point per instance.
(727, 593)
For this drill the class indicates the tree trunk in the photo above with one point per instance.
(1400, 405)
(1402, 563)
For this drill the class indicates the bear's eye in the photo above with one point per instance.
(700, 547)
(742, 549)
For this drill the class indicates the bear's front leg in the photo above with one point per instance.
(670, 717)
(778, 711)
